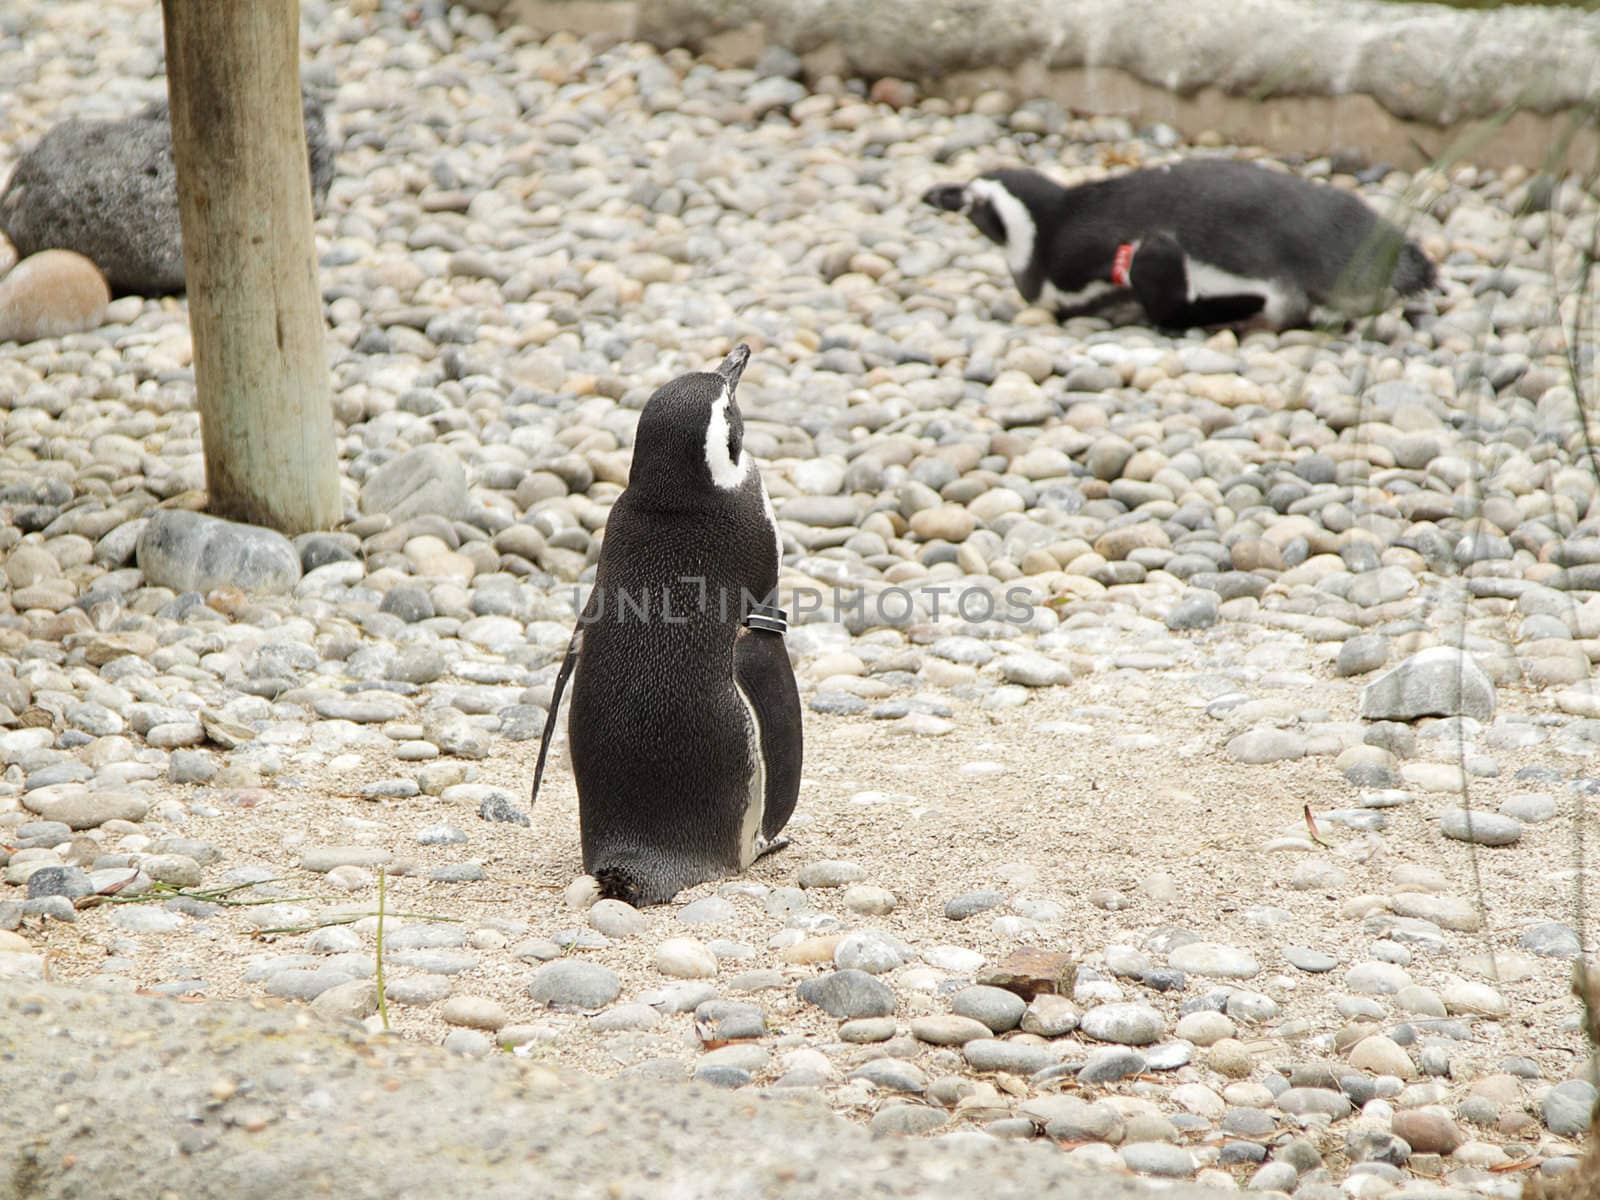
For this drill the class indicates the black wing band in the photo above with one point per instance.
(767, 619)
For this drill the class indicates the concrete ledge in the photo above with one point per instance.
(1402, 83)
(128, 1095)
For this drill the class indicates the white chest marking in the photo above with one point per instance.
(755, 810)
(725, 472)
(1014, 215)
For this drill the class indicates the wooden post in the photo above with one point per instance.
(255, 310)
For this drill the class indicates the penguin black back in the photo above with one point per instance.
(684, 725)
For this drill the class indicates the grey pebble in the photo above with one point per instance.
(572, 983)
(848, 995)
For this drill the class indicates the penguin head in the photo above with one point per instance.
(690, 439)
(1008, 208)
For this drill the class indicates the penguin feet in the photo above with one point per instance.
(765, 846)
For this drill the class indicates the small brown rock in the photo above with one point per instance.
(1119, 543)
(1426, 1130)
(896, 93)
(1254, 554)
(101, 648)
(1230, 1057)
(1031, 972)
(812, 950)
(50, 294)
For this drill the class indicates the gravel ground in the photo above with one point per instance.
(1197, 724)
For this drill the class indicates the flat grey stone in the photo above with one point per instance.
(1479, 827)
(1568, 1107)
(426, 480)
(572, 983)
(970, 904)
(1125, 1024)
(322, 859)
(1438, 682)
(77, 807)
(1313, 962)
(1302, 1101)
(1157, 1158)
(1551, 939)
(893, 1075)
(996, 1008)
(1019, 1058)
(908, 1119)
(1361, 654)
(848, 994)
(1110, 1063)
(306, 984)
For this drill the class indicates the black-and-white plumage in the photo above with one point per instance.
(1200, 242)
(685, 723)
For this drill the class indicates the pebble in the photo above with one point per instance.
(1018, 1058)
(997, 1009)
(1479, 827)
(1125, 1024)
(1214, 960)
(1157, 1158)
(1111, 1063)
(970, 904)
(50, 294)
(829, 873)
(848, 995)
(571, 983)
(1568, 1107)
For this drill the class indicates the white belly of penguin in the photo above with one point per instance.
(1206, 280)
(1052, 297)
(755, 810)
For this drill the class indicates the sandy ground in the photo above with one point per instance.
(1105, 783)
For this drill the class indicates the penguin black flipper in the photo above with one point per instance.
(766, 682)
(574, 648)
(1159, 278)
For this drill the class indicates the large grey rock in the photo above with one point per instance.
(1438, 682)
(429, 479)
(192, 552)
(432, 1123)
(108, 190)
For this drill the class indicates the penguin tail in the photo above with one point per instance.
(1413, 272)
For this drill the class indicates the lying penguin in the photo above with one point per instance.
(1201, 242)
(684, 728)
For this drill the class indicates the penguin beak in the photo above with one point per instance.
(733, 366)
(951, 197)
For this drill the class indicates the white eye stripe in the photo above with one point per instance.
(1014, 215)
(725, 472)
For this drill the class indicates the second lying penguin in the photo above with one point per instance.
(1200, 242)
(685, 724)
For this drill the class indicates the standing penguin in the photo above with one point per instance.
(1200, 242)
(684, 726)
